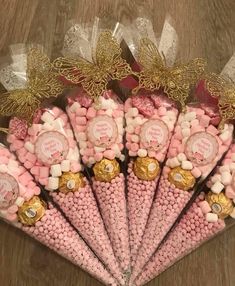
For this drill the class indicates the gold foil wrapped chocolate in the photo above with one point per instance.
(32, 211)
(106, 170)
(220, 204)
(146, 168)
(70, 182)
(182, 179)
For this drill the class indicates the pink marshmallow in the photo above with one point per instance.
(44, 172)
(91, 113)
(109, 154)
(230, 193)
(205, 207)
(212, 129)
(81, 120)
(81, 111)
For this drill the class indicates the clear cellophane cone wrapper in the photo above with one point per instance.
(205, 218)
(150, 121)
(200, 139)
(97, 118)
(47, 148)
(22, 206)
(196, 146)
(99, 130)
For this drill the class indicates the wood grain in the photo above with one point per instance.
(206, 28)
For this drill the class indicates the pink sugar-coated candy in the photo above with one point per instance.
(82, 211)
(91, 113)
(66, 242)
(112, 201)
(134, 147)
(182, 240)
(167, 206)
(140, 198)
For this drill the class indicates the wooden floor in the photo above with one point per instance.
(206, 28)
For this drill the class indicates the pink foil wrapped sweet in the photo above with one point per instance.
(203, 220)
(18, 188)
(196, 146)
(150, 120)
(49, 151)
(98, 128)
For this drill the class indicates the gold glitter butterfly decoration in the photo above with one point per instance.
(41, 83)
(94, 76)
(175, 81)
(224, 90)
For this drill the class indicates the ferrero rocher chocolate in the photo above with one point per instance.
(146, 168)
(220, 204)
(106, 170)
(70, 182)
(182, 179)
(32, 211)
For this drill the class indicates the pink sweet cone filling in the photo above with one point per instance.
(56, 233)
(190, 233)
(112, 202)
(82, 211)
(140, 198)
(196, 155)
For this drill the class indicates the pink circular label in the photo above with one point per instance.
(102, 131)
(154, 134)
(51, 147)
(9, 190)
(201, 148)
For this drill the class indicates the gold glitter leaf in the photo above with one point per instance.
(175, 81)
(94, 77)
(42, 83)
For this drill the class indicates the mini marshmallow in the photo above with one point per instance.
(215, 178)
(74, 106)
(181, 157)
(211, 217)
(134, 111)
(81, 136)
(174, 162)
(138, 120)
(189, 116)
(233, 213)
(135, 138)
(47, 117)
(47, 126)
(217, 187)
(99, 149)
(186, 132)
(226, 178)
(224, 136)
(3, 168)
(83, 144)
(58, 124)
(233, 157)
(65, 166)
(130, 129)
(122, 157)
(187, 165)
(53, 183)
(224, 169)
(232, 166)
(29, 146)
(109, 112)
(185, 124)
(142, 153)
(19, 201)
(56, 170)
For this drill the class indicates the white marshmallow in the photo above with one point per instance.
(65, 166)
(184, 140)
(135, 138)
(91, 161)
(185, 124)
(99, 149)
(53, 183)
(216, 178)
(170, 114)
(224, 168)
(47, 126)
(226, 178)
(187, 165)
(130, 129)
(74, 106)
(69, 133)
(233, 157)
(134, 111)
(56, 170)
(211, 217)
(232, 166)
(109, 112)
(174, 162)
(142, 153)
(129, 121)
(217, 187)
(181, 157)
(29, 146)
(122, 157)
(81, 135)
(47, 117)
(3, 168)
(189, 116)
(19, 201)
(58, 124)
(138, 120)
(83, 144)
(224, 136)
(185, 132)
(233, 213)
